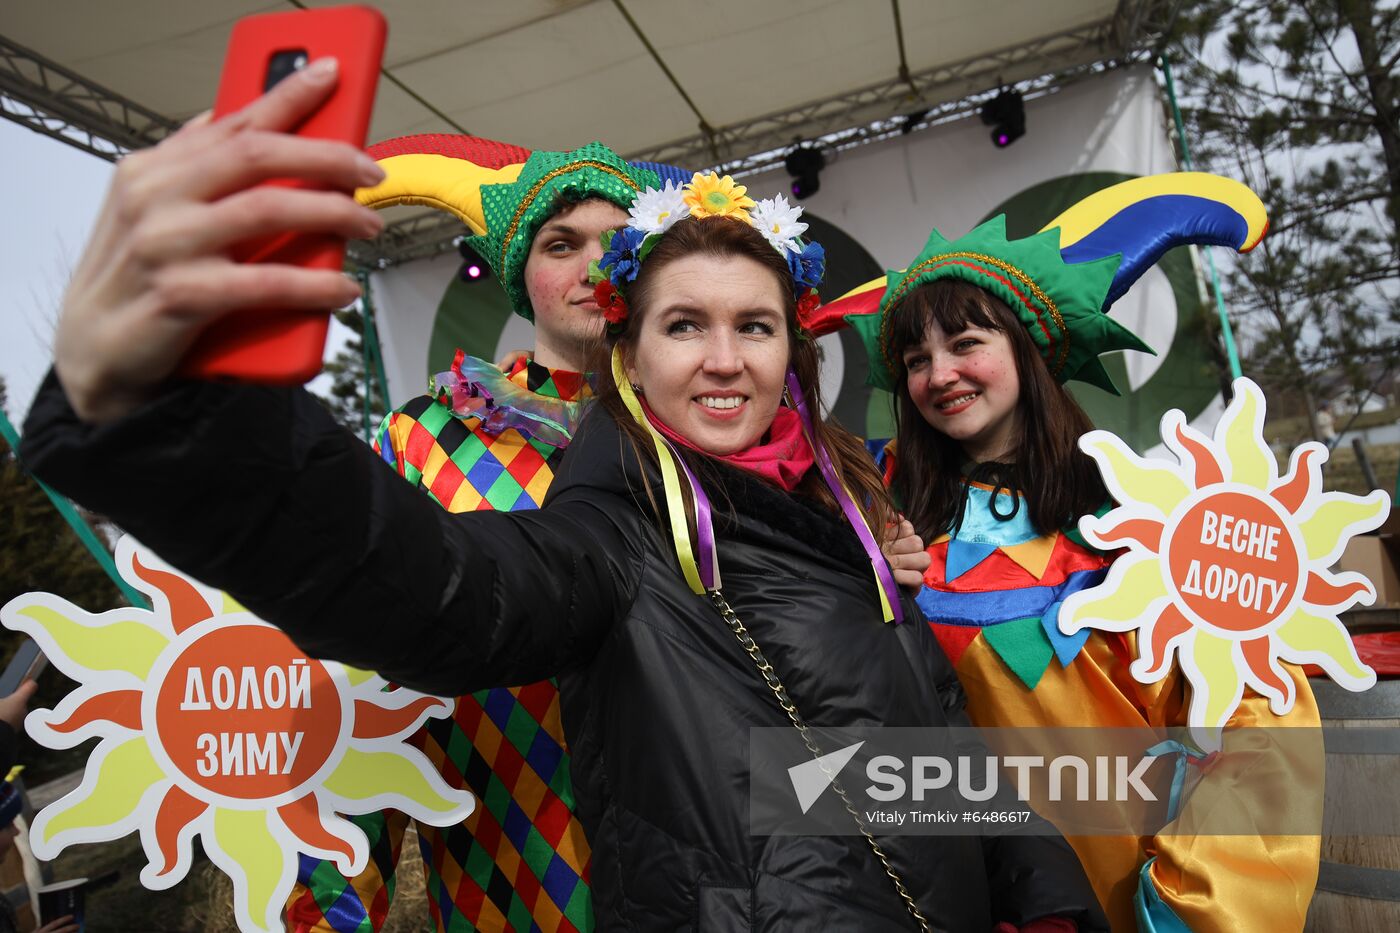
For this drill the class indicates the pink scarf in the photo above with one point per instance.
(782, 456)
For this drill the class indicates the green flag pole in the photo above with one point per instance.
(1225, 330)
(75, 521)
(364, 365)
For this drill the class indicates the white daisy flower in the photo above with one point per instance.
(777, 221)
(655, 211)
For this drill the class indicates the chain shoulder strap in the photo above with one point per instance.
(770, 677)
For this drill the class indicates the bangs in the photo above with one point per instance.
(953, 305)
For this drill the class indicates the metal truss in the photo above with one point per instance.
(56, 101)
(904, 103)
(419, 237)
(931, 97)
(51, 99)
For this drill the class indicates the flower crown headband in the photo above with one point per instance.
(654, 212)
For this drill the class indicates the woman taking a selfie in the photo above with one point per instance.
(691, 457)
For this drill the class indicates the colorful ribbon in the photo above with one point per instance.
(889, 592)
(1184, 755)
(703, 575)
(477, 388)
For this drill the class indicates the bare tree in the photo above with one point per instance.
(1300, 99)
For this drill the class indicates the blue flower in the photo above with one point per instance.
(619, 260)
(808, 266)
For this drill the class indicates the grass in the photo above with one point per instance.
(1296, 429)
(1343, 472)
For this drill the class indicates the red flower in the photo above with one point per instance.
(610, 302)
(805, 306)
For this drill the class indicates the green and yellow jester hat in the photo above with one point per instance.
(503, 193)
(515, 211)
(1061, 282)
(1060, 303)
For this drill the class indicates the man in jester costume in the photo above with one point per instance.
(492, 440)
(976, 340)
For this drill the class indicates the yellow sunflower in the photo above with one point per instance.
(709, 195)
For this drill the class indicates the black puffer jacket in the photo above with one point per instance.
(257, 491)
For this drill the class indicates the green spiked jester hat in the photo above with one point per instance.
(1061, 282)
(515, 211)
(1060, 303)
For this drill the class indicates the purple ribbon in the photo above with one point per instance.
(704, 526)
(848, 506)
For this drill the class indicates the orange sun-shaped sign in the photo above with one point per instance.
(1226, 569)
(213, 723)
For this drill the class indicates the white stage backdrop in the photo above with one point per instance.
(874, 211)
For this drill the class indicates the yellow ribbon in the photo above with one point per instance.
(670, 477)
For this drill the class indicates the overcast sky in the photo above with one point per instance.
(52, 195)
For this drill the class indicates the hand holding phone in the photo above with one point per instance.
(18, 685)
(27, 664)
(282, 345)
(156, 271)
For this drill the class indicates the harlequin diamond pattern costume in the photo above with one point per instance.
(486, 441)
(520, 861)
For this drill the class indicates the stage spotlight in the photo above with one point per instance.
(805, 164)
(473, 268)
(1006, 115)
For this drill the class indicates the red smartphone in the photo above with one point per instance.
(269, 345)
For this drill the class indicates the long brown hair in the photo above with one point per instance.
(1058, 480)
(723, 239)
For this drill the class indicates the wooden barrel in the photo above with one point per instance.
(1358, 884)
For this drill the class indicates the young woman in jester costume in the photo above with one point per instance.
(613, 585)
(488, 440)
(976, 340)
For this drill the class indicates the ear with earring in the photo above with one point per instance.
(636, 388)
